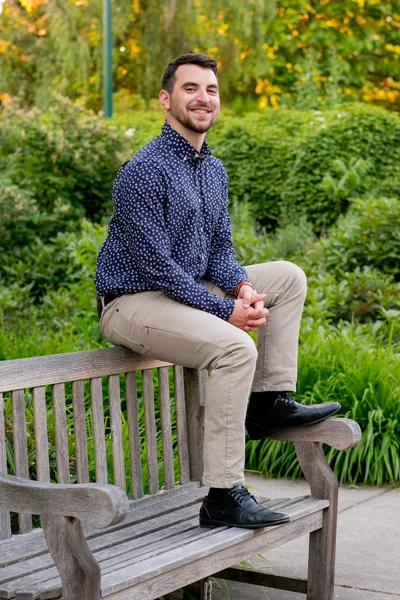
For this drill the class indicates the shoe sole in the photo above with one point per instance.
(208, 523)
(266, 432)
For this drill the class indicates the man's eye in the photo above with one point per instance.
(190, 89)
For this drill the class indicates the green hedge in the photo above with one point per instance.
(288, 163)
(66, 157)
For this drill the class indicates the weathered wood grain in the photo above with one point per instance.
(140, 510)
(41, 437)
(322, 549)
(78, 569)
(200, 559)
(5, 525)
(98, 504)
(154, 546)
(181, 428)
(150, 431)
(159, 546)
(61, 434)
(258, 577)
(166, 430)
(114, 394)
(81, 450)
(194, 405)
(20, 449)
(339, 433)
(96, 395)
(58, 368)
(134, 435)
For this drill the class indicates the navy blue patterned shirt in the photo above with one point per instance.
(171, 227)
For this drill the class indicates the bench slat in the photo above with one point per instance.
(20, 449)
(78, 403)
(134, 435)
(150, 431)
(60, 429)
(174, 540)
(166, 432)
(34, 544)
(41, 437)
(181, 429)
(96, 395)
(5, 525)
(57, 368)
(306, 516)
(116, 431)
(116, 542)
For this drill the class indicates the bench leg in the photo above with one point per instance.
(321, 557)
(200, 590)
(78, 569)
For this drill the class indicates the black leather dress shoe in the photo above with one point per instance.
(238, 508)
(286, 412)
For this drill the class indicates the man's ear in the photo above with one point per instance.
(164, 99)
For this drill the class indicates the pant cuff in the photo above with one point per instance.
(285, 387)
(222, 484)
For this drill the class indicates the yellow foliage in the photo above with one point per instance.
(31, 5)
(4, 97)
(133, 47)
(3, 46)
(393, 48)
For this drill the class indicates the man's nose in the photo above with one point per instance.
(202, 95)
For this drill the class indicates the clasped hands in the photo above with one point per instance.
(249, 313)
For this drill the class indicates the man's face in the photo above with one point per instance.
(194, 101)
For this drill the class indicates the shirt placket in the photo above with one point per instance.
(200, 218)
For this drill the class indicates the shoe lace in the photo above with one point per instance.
(241, 494)
(287, 401)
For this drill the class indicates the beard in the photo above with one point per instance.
(188, 119)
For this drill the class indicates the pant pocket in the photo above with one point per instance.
(132, 336)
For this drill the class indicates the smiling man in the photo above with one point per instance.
(169, 287)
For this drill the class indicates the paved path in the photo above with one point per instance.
(368, 546)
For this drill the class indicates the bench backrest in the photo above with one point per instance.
(105, 415)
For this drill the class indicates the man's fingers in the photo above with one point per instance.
(255, 323)
(247, 297)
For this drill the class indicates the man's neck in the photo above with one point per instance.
(196, 139)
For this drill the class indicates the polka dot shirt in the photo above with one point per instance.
(171, 227)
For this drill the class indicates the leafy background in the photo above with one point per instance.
(310, 137)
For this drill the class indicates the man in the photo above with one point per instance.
(170, 288)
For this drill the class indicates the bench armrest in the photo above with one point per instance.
(338, 433)
(98, 504)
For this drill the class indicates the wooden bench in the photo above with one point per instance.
(78, 417)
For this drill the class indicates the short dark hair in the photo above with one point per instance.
(191, 58)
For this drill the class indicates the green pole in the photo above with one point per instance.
(107, 53)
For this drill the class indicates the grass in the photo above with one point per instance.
(358, 365)
(350, 366)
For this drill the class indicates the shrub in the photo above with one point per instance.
(355, 132)
(348, 365)
(369, 235)
(288, 163)
(67, 156)
(364, 295)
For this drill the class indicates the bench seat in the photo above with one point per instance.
(72, 424)
(158, 548)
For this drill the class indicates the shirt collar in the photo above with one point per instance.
(181, 146)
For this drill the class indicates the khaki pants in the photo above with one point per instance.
(158, 327)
